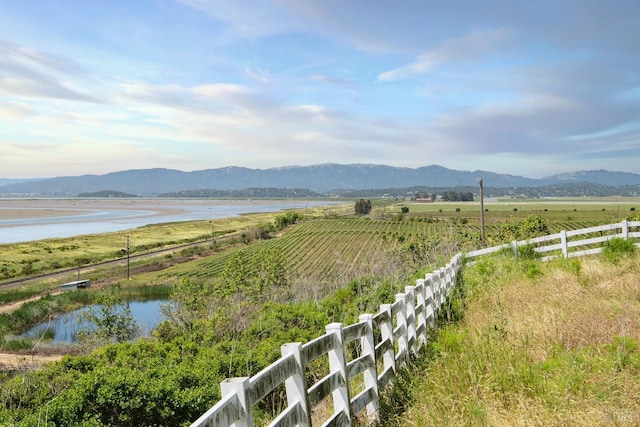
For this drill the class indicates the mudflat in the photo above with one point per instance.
(11, 209)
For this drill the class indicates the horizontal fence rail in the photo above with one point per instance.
(362, 358)
(570, 244)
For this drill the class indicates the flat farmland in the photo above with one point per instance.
(552, 210)
(327, 249)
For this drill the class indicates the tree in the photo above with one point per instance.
(272, 275)
(109, 322)
(191, 300)
(235, 277)
(363, 207)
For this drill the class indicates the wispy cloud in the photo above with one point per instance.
(33, 74)
(470, 47)
(331, 80)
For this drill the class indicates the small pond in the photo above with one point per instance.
(147, 314)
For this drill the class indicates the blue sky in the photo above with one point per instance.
(525, 88)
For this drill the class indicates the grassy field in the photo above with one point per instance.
(548, 344)
(553, 210)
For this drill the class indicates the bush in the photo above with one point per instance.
(363, 207)
(527, 252)
(616, 249)
(526, 228)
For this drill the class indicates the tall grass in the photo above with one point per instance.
(535, 344)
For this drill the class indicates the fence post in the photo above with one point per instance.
(457, 261)
(296, 385)
(401, 320)
(448, 278)
(338, 363)
(563, 242)
(421, 310)
(386, 332)
(371, 374)
(514, 247)
(412, 332)
(441, 288)
(625, 229)
(239, 386)
(430, 301)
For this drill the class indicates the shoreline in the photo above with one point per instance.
(14, 209)
(24, 220)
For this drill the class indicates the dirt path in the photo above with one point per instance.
(8, 308)
(12, 361)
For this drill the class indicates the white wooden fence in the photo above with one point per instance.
(385, 341)
(570, 244)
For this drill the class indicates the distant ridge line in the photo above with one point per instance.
(322, 179)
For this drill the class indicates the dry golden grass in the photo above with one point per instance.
(540, 344)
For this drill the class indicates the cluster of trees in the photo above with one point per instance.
(257, 192)
(455, 196)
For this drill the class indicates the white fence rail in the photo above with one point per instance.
(570, 244)
(382, 342)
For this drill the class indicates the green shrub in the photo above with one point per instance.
(616, 249)
(528, 252)
(17, 344)
(531, 226)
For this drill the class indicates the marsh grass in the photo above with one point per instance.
(559, 347)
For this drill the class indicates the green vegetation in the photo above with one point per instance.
(556, 348)
(363, 207)
(106, 193)
(615, 250)
(269, 193)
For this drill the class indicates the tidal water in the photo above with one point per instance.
(101, 220)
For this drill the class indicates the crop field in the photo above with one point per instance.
(327, 249)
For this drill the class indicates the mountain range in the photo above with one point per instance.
(323, 179)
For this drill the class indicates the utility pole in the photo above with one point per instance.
(213, 236)
(480, 183)
(128, 258)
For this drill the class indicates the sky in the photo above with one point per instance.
(528, 88)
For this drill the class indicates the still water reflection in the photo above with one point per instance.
(65, 327)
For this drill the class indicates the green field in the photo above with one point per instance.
(326, 249)
(305, 247)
